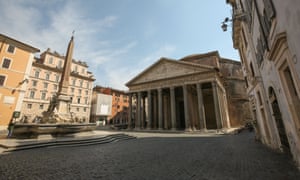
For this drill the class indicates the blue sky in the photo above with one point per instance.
(120, 38)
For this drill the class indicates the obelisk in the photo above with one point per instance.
(60, 105)
(63, 99)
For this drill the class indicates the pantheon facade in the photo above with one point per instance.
(197, 92)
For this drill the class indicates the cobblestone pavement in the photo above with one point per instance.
(216, 157)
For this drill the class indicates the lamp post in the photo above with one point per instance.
(241, 17)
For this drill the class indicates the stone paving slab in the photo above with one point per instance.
(219, 157)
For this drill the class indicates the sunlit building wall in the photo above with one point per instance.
(16, 60)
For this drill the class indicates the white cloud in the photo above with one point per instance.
(35, 23)
(45, 24)
(119, 77)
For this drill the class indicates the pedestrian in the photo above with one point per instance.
(10, 128)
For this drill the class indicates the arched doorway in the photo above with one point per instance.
(279, 121)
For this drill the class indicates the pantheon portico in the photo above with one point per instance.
(181, 95)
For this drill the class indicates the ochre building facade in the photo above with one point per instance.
(16, 60)
(198, 92)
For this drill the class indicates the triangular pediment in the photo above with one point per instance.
(166, 68)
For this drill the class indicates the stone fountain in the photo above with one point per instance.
(57, 120)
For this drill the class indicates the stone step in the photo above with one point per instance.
(73, 142)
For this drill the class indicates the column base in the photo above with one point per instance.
(203, 130)
(137, 128)
(173, 129)
(187, 129)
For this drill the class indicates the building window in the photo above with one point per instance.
(45, 85)
(82, 70)
(246, 81)
(245, 40)
(6, 63)
(86, 101)
(87, 85)
(36, 74)
(252, 70)
(29, 106)
(34, 83)
(71, 99)
(50, 60)
(72, 90)
(291, 90)
(259, 98)
(79, 91)
(32, 93)
(43, 97)
(55, 87)
(11, 49)
(290, 82)
(86, 92)
(47, 76)
(57, 78)
(77, 109)
(2, 80)
(76, 69)
(73, 82)
(60, 64)
(41, 106)
(84, 109)
(78, 100)
(81, 82)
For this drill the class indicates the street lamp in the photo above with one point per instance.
(224, 24)
(238, 17)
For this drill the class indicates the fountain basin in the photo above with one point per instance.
(31, 130)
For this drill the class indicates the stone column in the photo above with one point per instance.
(160, 110)
(130, 112)
(216, 105)
(226, 110)
(165, 111)
(138, 112)
(149, 100)
(142, 111)
(155, 111)
(173, 108)
(201, 111)
(186, 109)
(221, 106)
